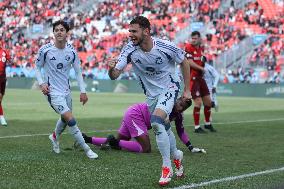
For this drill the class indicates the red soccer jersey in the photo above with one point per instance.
(4, 57)
(194, 53)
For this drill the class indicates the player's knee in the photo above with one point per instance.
(157, 124)
(197, 103)
(72, 122)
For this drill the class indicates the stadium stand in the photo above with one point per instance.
(100, 30)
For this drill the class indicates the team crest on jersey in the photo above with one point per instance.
(159, 60)
(53, 58)
(3, 54)
(67, 57)
(3, 59)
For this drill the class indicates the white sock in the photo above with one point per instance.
(197, 126)
(173, 144)
(75, 131)
(60, 127)
(163, 144)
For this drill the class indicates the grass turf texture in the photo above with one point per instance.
(236, 149)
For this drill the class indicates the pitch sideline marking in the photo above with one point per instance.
(113, 130)
(195, 185)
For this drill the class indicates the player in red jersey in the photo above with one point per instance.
(4, 60)
(198, 87)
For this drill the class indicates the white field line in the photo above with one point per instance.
(113, 130)
(226, 179)
(32, 135)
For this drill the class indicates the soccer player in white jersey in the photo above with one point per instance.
(153, 61)
(56, 60)
(211, 77)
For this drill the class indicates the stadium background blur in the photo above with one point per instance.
(244, 39)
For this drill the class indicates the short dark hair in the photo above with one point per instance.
(63, 23)
(142, 21)
(195, 33)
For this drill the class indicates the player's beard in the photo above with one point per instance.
(139, 41)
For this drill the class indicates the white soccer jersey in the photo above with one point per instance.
(57, 64)
(211, 76)
(155, 69)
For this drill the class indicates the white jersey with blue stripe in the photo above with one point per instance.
(211, 76)
(57, 64)
(154, 69)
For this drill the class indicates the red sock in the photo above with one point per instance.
(1, 110)
(196, 115)
(207, 113)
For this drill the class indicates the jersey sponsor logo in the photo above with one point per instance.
(197, 58)
(53, 58)
(59, 66)
(159, 60)
(67, 57)
(151, 71)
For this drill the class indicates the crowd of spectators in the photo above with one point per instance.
(100, 32)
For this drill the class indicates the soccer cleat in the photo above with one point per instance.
(113, 142)
(210, 128)
(167, 174)
(55, 144)
(178, 165)
(91, 154)
(199, 130)
(3, 121)
(198, 150)
(86, 138)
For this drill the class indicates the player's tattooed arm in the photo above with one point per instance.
(113, 72)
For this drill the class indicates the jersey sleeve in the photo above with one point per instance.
(76, 63)
(39, 62)
(177, 54)
(124, 57)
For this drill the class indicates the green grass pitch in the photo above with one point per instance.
(250, 139)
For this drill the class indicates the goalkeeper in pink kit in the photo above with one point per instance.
(135, 125)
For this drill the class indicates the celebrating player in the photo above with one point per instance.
(198, 87)
(56, 60)
(153, 61)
